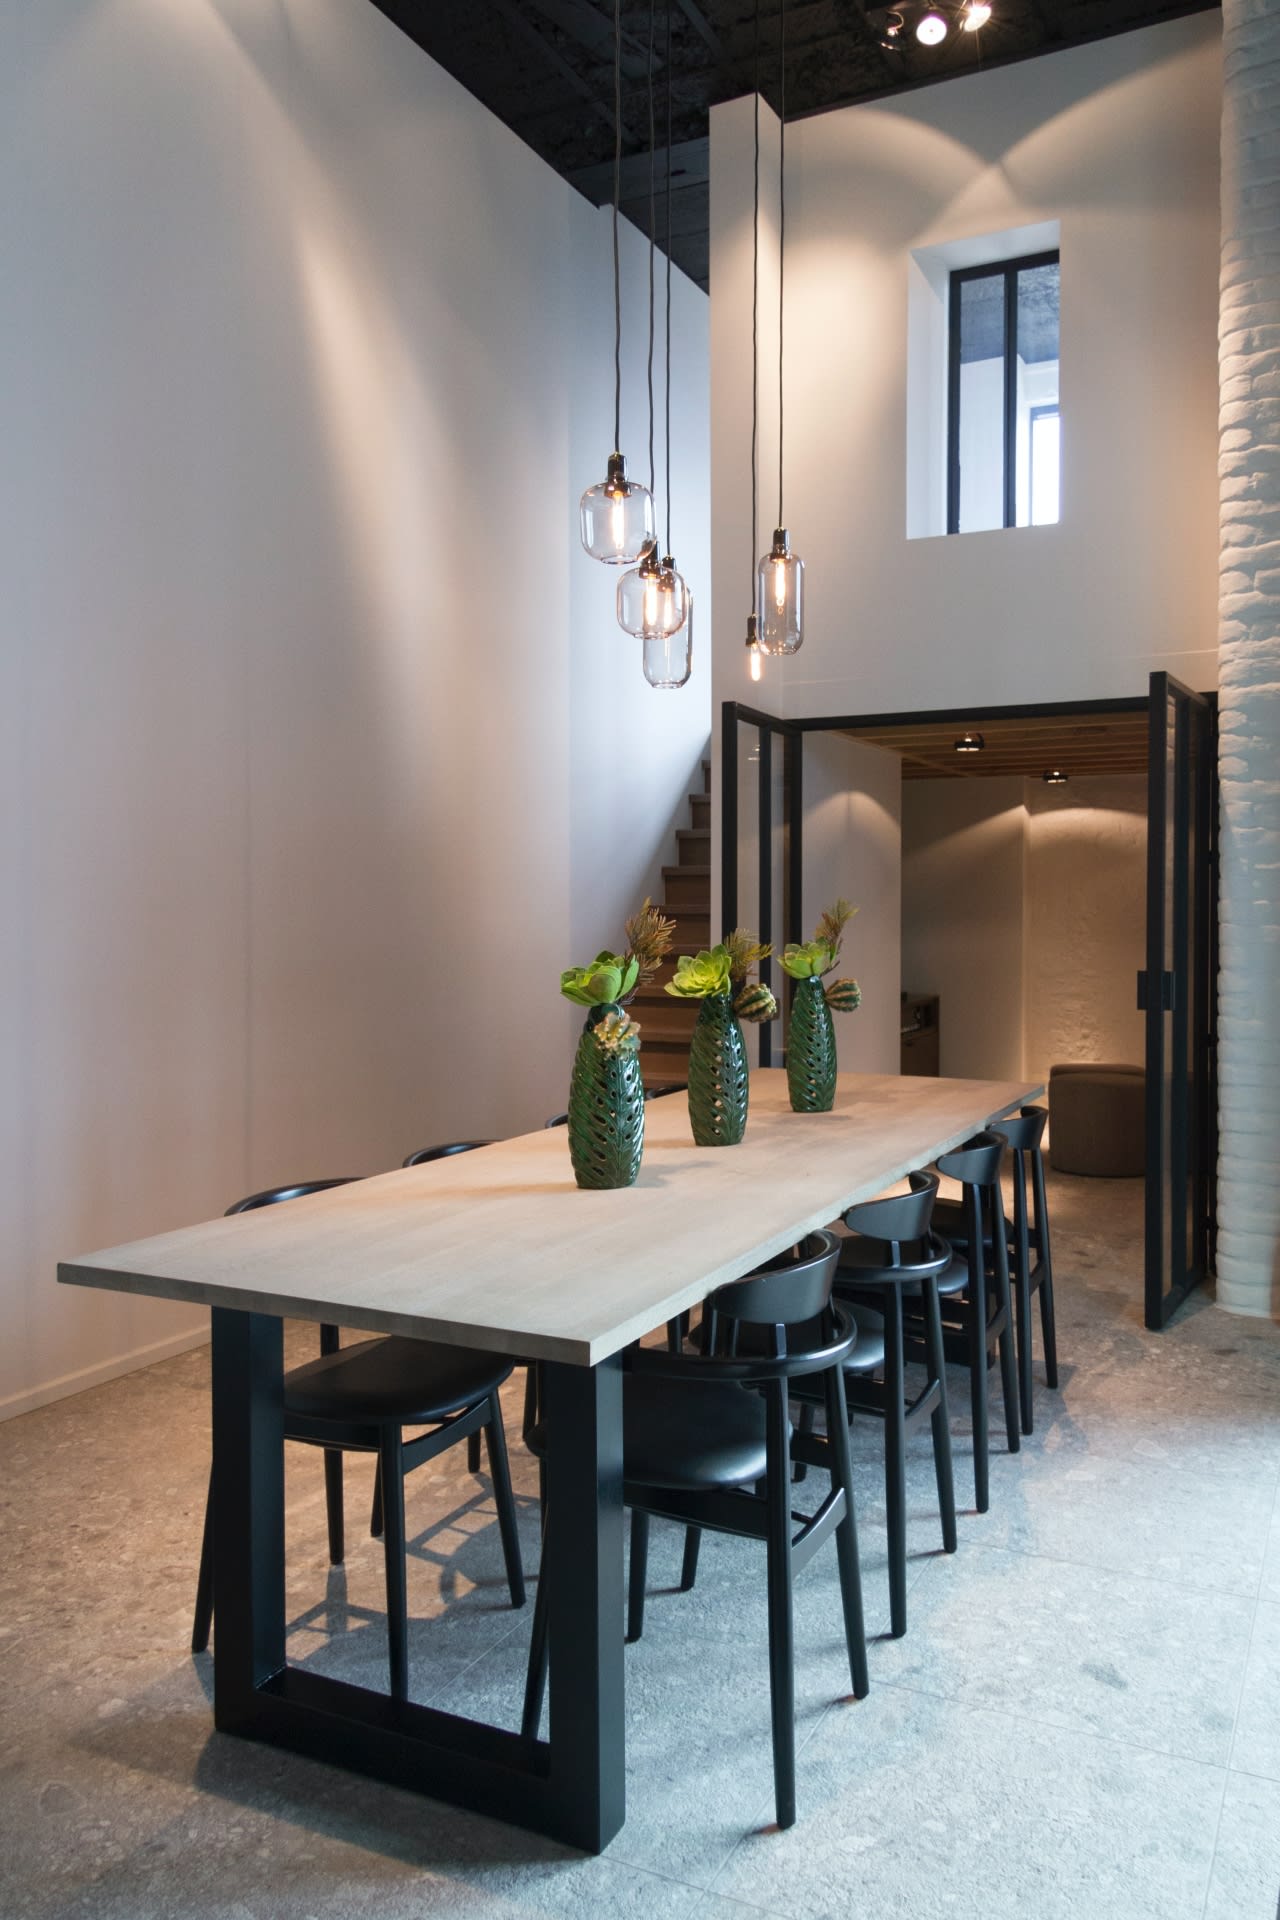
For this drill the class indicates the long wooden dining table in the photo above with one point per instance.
(499, 1249)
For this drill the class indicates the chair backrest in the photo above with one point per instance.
(898, 1217)
(557, 1120)
(1026, 1132)
(272, 1196)
(668, 1086)
(976, 1163)
(442, 1152)
(792, 1287)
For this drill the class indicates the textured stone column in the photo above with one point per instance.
(1249, 661)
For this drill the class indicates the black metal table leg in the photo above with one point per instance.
(570, 1787)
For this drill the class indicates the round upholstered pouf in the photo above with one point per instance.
(1097, 1120)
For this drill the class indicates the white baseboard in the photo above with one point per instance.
(95, 1376)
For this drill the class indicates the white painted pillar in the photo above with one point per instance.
(1249, 661)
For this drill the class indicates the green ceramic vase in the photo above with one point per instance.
(606, 1111)
(811, 1050)
(718, 1079)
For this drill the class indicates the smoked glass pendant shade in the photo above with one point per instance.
(653, 599)
(668, 657)
(617, 517)
(780, 598)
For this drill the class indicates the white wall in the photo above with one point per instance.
(1118, 142)
(963, 848)
(1085, 921)
(1024, 909)
(853, 850)
(326, 754)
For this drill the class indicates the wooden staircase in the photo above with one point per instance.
(666, 1024)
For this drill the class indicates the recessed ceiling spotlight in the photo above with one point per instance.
(975, 15)
(970, 743)
(931, 30)
(1054, 777)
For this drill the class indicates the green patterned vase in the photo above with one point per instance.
(718, 1081)
(606, 1111)
(811, 1050)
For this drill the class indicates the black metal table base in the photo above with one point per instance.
(569, 1786)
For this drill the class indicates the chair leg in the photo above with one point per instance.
(800, 1470)
(500, 1470)
(638, 1574)
(473, 1453)
(940, 1419)
(689, 1565)
(855, 1631)
(391, 1456)
(977, 1319)
(535, 1679)
(1021, 1282)
(895, 1460)
(204, 1583)
(333, 1505)
(375, 1517)
(782, 1689)
(1008, 1359)
(1046, 1275)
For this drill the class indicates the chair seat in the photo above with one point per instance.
(409, 1382)
(686, 1436)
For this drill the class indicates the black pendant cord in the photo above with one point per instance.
(617, 195)
(653, 222)
(782, 216)
(667, 381)
(755, 315)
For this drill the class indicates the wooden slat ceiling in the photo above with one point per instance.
(1077, 744)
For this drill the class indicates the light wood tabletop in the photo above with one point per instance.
(498, 1248)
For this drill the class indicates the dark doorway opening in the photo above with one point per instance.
(1170, 735)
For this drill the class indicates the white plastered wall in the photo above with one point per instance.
(1118, 143)
(320, 751)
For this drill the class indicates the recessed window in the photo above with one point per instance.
(1003, 421)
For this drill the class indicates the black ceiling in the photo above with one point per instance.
(545, 67)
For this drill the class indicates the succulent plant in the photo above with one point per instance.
(817, 957)
(609, 977)
(616, 1032)
(700, 975)
(843, 996)
(755, 1002)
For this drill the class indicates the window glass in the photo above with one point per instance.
(1004, 422)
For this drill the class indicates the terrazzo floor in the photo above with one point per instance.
(1083, 1719)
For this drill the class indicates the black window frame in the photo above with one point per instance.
(1008, 270)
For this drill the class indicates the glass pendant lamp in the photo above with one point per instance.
(668, 657)
(780, 575)
(755, 659)
(617, 517)
(652, 598)
(617, 514)
(780, 597)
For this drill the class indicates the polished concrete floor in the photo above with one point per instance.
(1083, 1719)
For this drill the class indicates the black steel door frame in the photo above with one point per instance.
(1180, 980)
(734, 715)
(1200, 1145)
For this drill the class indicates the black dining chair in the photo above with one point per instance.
(1030, 1258)
(891, 1255)
(707, 1442)
(974, 1296)
(360, 1399)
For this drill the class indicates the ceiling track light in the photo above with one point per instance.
(931, 29)
(970, 743)
(1054, 777)
(617, 517)
(931, 21)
